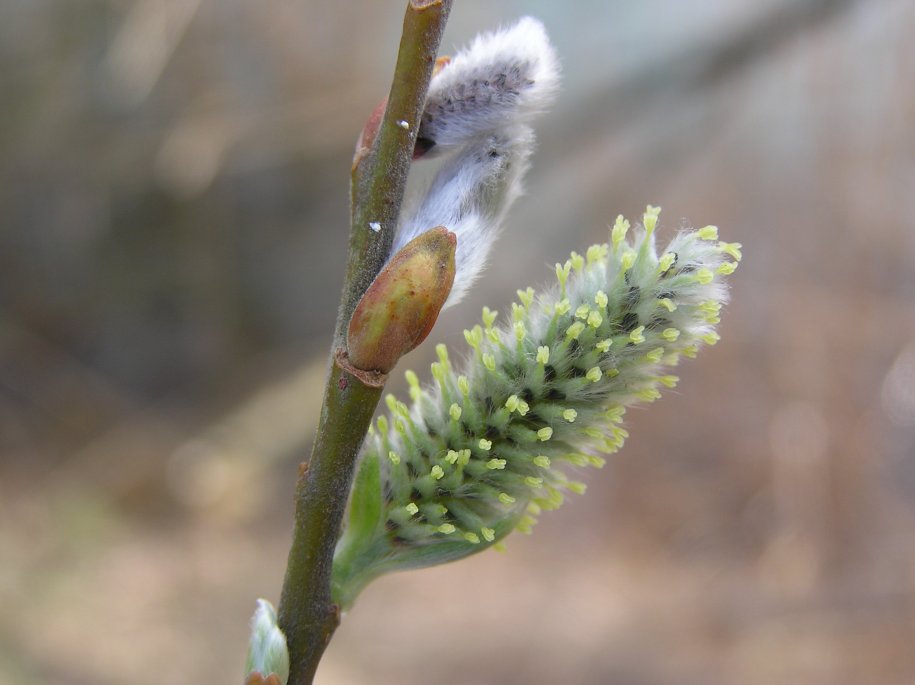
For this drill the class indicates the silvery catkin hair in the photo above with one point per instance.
(478, 109)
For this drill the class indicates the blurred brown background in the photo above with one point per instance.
(173, 216)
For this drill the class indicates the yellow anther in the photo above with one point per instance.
(667, 303)
(708, 233)
(655, 355)
(732, 249)
(618, 232)
(615, 414)
(578, 262)
(526, 297)
(601, 299)
(575, 330)
(650, 218)
(666, 261)
(595, 253)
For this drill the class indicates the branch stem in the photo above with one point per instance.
(307, 614)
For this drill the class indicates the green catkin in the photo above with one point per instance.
(479, 455)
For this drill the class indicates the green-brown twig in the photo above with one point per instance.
(306, 613)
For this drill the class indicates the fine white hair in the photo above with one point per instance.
(509, 75)
(470, 196)
(478, 110)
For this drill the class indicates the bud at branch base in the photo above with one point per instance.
(401, 305)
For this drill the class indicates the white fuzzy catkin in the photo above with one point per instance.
(470, 196)
(478, 107)
(507, 76)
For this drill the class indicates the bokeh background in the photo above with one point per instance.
(173, 219)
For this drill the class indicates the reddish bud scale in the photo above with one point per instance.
(401, 305)
(256, 678)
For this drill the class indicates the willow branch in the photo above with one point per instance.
(307, 615)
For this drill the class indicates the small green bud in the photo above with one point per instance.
(267, 652)
(399, 308)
